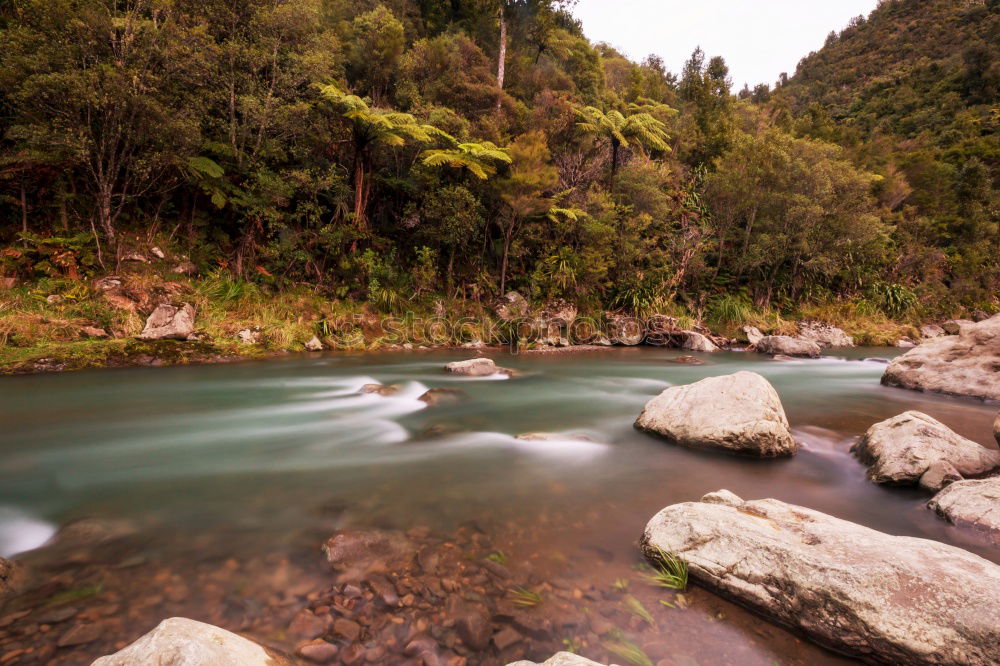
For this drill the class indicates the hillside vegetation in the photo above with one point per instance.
(429, 155)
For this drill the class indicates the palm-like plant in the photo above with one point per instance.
(480, 159)
(640, 128)
(370, 127)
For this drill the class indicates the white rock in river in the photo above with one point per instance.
(183, 642)
(475, 367)
(788, 346)
(886, 599)
(915, 448)
(974, 503)
(965, 364)
(739, 413)
(695, 341)
(560, 659)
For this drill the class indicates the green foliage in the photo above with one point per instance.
(523, 597)
(365, 149)
(671, 570)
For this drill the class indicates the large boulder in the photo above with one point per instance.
(788, 346)
(974, 503)
(914, 448)
(183, 642)
(169, 323)
(474, 367)
(560, 659)
(695, 341)
(738, 413)
(966, 364)
(824, 335)
(885, 599)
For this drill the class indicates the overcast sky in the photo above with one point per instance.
(758, 38)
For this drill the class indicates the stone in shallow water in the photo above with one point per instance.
(560, 659)
(443, 396)
(886, 599)
(965, 364)
(906, 448)
(973, 503)
(788, 346)
(474, 367)
(739, 413)
(183, 642)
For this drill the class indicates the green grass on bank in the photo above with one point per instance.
(45, 324)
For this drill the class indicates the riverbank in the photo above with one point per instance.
(63, 325)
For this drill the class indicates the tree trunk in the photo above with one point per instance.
(501, 58)
(615, 148)
(105, 216)
(359, 193)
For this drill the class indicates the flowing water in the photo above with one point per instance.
(230, 461)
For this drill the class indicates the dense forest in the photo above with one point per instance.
(412, 151)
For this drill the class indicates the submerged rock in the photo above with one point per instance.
(560, 659)
(475, 367)
(443, 396)
(169, 323)
(966, 364)
(914, 448)
(694, 341)
(974, 503)
(885, 599)
(368, 549)
(825, 335)
(552, 437)
(739, 413)
(381, 389)
(183, 642)
(788, 346)
(686, 360)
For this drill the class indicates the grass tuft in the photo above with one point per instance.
(525, 598)
(670, 571)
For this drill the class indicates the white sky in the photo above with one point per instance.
(758, 38)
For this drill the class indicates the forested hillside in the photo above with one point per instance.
(913, 91)
(411, 152)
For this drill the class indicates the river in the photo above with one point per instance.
(181, 471)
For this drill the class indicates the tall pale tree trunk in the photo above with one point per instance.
(502, 57)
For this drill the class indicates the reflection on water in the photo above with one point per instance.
(258, 453)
